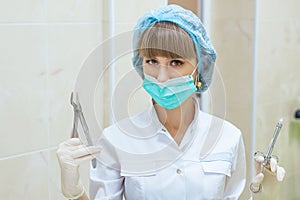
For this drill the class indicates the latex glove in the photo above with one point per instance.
(271, 171)
(71, 154)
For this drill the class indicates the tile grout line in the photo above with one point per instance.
(46, 23)
(47, 96)
(63, 23)
(28, 153)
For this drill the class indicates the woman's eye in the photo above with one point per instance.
(176, 62)
(151, 61)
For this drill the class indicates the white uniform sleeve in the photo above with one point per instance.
(106, 181)
(236, 182)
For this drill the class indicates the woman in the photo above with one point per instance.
(173, 150)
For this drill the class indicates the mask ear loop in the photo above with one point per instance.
(194, 71)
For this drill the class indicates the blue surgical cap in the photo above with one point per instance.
(188, 21)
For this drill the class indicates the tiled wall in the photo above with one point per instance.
(277, 92)
(232, 30)
(43, 46)
(278, 87)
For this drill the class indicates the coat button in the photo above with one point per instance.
(178, 171)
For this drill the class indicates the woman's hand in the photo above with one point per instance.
(273, 168)
(71, 153)
(268, 180)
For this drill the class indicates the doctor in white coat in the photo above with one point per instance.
(172, 150)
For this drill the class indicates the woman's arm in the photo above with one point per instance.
(235, 184)
(106, 181)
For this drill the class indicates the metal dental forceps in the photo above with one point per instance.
(79, 114)
(268, 155)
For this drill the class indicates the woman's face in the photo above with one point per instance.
(163, 68)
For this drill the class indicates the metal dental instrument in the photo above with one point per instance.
(268, 155)
(78, 114)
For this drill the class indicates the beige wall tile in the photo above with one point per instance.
(233, 42)
(34, 176)
(231, 31)
(278, 10)
(124, 27)
(278, 80)
(267, 85)
(277, 59)
(278, 62)
(267, 117)
(278, 34)
(22, 11)
(232, 9)
(190, 5)
(278, 86)
(75, 11)
(69, 49)
(23, 101)
(24, 177)
(131, 10)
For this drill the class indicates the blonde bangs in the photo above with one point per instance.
(167, 40)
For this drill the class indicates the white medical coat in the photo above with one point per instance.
(141, 161)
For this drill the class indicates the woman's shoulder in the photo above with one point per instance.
(222, 136)
(222, 129)
(222, 123)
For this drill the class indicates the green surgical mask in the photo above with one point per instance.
(171, 93)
